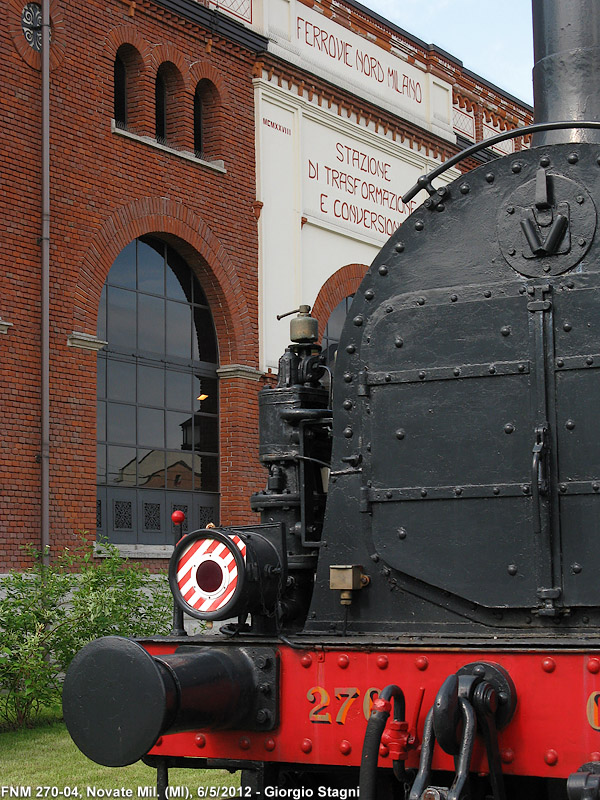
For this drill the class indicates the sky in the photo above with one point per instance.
(490, 38)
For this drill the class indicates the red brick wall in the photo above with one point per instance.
(106, 190)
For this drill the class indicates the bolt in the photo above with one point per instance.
(479, 670)
(263, 715)
(510, 210)
(264, 688)
(263, 662)
(580, 199)
(511, 251)
(431, 794)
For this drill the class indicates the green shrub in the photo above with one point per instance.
(47, 614)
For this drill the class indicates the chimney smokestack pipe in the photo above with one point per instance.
(566, 72)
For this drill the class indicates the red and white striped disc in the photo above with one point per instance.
(207, 574)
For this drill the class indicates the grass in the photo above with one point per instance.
(46, 756)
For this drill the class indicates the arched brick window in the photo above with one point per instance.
(169, 106)
(157, 424)
(207, 121)
(127, 87)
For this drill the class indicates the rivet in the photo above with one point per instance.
(572, 158)
(348, 432)
(507, 755)
(400, 434)
(509, 427)
(458, 491)
(582, 242)
(389, 494)
(569, 425)
(456, 371)
(593, 666)
(521, 367)
(585, 619)
(402, 533)
(347, 404)
(398, 341)
(200, 740)
(562, 488)
(375, 557)
(382, 662)
(421, 301)
(570, 284)
(560, 362)
(492, 370)
(490, 177)
(547, 268)
(453, 298)
(548, 665)
(512, 569)
(383, 270)
(388, 378)
(576, 568)
(399, 248)
(383, 751)
(306, 660)
(244, 743)
(306, 745)
(551, 757)
(487, 293)
(386, 570)
(511, 251)
(389, 309)
(496, 490)
(351, 349)
(516, 167)
(505, 331)
(419, 225)
(580, 199)
(345, 747)
(343, 661)
(595, 486)
(158, 742)
(422, 374)
(423, 492)
(525, 488)
(358, 321)
(544, 161)
(595, 756)
(510, 210)
(421, 663)
(369, 294)
(465, 188)
(348, 377)
(270, 744)
(522, 289)
(589, 361)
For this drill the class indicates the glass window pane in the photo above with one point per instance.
(206, 434)
(179, 278)
(179, 325)
(121, 466)
(120, 423)
(101, 463)
(151, 266)
(206, 394)
(205, 343)
(121, 381)
(179, 390)
(206, 473)
(151, 386)
(122, 272)
(151, 468)
(179, 471)
(199, 296)
(101, 324)
(179, 430)
(151, 427)
(151, 324)
(101, 377)
(101, 422)
(120, 331)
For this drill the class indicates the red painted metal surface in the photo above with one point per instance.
(326, 698)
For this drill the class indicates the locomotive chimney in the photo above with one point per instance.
(566, 44)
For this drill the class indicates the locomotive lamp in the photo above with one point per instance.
(347, 578)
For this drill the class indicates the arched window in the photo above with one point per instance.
(207, 121)
(198, 123)
(333, 330)
(120, 92)
(160, 106)
(157, 398)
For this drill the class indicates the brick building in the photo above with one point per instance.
(191, 199)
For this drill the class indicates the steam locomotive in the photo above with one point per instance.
(418, 612)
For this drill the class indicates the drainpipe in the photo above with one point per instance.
(45, 290)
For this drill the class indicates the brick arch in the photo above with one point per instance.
(342, 283)
(202, 70)
(168, 53)
(235, 324)
(127, 34)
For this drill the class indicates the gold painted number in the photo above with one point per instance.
(316, 714)
(349, 696)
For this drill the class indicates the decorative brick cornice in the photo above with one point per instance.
(85, 341)
(239, 371)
